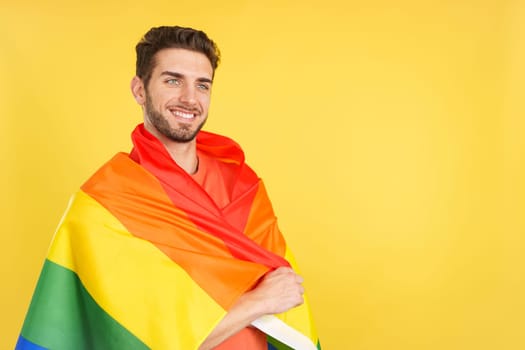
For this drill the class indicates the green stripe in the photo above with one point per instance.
(274, 344)
(63, 315)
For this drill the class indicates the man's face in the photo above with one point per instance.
(177, 97)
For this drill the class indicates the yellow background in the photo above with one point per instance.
(390, 135)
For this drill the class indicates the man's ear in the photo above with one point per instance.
(138, 90)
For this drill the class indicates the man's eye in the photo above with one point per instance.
(203, 87)
(173, 81)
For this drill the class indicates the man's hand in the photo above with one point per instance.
(278, 291)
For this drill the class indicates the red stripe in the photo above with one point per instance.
(185, 193)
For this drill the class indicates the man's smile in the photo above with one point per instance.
(182, 114)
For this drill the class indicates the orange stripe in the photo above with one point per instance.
(138, 194)
(262, 224)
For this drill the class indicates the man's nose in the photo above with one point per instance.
(188, 94)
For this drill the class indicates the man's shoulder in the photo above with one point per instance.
(120, 171)
(220, 147)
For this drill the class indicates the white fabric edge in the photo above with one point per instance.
(279, 330)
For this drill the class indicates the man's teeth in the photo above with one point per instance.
(184, 115)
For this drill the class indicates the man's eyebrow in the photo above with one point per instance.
(179, 75)
(172, 74)
(205, 80)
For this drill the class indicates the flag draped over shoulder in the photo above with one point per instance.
(144, 259)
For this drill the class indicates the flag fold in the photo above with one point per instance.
(144, 259)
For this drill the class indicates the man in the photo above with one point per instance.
(174, 246)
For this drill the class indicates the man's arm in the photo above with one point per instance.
(279, 291)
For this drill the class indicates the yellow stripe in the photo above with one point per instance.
(300, 317)
(132, 280)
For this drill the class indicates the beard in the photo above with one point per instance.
(183, 134)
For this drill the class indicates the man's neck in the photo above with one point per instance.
(184, 154)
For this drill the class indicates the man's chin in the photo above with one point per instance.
(182, 137)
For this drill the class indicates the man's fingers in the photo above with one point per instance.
(286, 270)
(283, 270)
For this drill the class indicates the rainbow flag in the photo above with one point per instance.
(141, 260)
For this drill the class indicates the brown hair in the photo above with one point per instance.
(165, 37)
